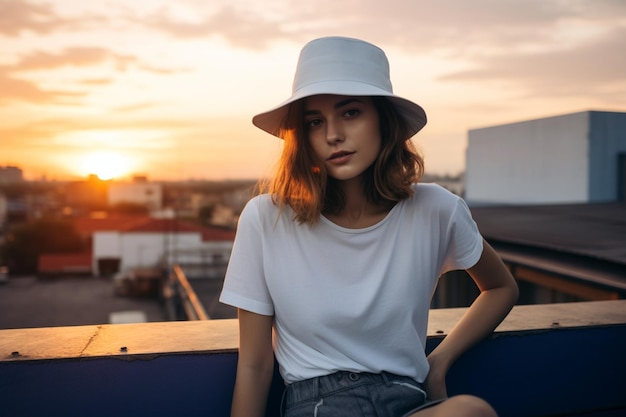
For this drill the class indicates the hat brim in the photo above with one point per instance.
(272, 120)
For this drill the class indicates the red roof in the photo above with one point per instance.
(180, 226)
(163, 225)
(144, 224)
(65, 262)
(89, 225)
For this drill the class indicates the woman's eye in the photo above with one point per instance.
(351, 113)
(313, 123)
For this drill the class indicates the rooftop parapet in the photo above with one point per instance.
(543, 360)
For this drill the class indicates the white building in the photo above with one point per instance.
(162, 243)
(574, 158)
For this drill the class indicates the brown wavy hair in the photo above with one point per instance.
(302, 183)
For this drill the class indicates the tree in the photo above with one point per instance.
(25, 243)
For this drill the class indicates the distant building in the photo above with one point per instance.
(140, 192)
(3, 211)
(11, 175)
(86, 195)
(574, 158)
(550, 195)
(149, 243)
(64, 264)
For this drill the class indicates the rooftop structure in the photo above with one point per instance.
(573, 158)
(575, 249)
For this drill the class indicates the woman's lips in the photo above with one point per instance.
(340, 157)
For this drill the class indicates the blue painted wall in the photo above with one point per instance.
(555, 372)
(607, 139)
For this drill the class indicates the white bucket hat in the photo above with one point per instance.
(342, 66)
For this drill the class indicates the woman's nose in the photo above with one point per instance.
(334, 133)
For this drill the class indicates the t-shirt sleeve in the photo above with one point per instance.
(465, 243)
(244, 284)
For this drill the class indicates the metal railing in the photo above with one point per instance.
(181, 300)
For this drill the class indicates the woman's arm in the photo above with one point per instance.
(255, 365)
(498, 294)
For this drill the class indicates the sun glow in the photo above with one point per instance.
(106, 164)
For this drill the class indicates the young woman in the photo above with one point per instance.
(334, 268)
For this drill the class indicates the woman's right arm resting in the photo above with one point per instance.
(255, 366)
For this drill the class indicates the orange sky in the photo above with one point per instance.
(167, 89)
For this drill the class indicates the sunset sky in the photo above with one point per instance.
(167, 88)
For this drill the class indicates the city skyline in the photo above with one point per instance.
(168, 90)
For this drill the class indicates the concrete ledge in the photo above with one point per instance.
(549, 360)
(119, 340)
(217, 336)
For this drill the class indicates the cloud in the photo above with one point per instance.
(162, 71)
(74, 56)
(416, 25)
(134, 107)
(96, 81)
(82, 57)
(32, 135)
(573, 70)
(16, 89)
(460, 28)
(241, 28)
(43, 132)
(454, 25)
(419, 25)
(19, 16)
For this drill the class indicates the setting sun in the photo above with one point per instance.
(106, 164)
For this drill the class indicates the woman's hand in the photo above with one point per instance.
(498, 293)
(255, 365)
(435, 382)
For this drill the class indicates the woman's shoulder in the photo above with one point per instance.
(432, 192)
(261, 203)
(260, 199)
(261, 208)
(430, 198)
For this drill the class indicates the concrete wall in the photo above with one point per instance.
(105, 245)
(150, 249)
(538, 161)
(552, 360)
(140, 250)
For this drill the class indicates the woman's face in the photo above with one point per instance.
(344, 132)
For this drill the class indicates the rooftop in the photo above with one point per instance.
(582, 242)
(145, 224)
(27, 302)
(596, 231)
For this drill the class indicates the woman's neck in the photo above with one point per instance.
(358, 212)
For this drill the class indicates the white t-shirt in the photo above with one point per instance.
(350, 299)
